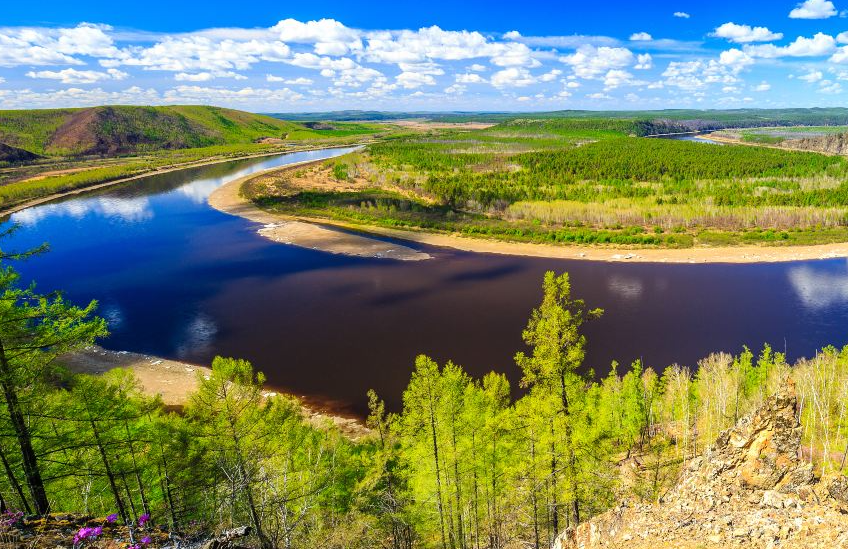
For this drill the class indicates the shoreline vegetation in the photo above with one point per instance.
(316, 176)
(582, 189)
(207, 161)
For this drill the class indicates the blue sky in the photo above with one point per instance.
(312, 56)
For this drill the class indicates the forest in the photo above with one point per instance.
(585, 181)
(465, 463)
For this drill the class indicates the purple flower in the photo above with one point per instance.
(112, 518)
(87, 532)
(143, 519)
(145, 540)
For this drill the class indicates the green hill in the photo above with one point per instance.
(114, 130)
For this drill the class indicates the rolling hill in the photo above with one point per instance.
(116, 130)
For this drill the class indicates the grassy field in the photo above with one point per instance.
(581, 181)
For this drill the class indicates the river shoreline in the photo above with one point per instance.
(175, 381)
(304, 233)
(284, 229)
(156, 171)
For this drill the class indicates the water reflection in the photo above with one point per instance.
(200, 190)
(629, 288)
(129, 210)
(819, 287)
(197, 336)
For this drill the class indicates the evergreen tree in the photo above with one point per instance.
(558, 349)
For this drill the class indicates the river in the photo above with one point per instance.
(179, 279)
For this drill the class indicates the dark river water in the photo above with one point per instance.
(178, 279)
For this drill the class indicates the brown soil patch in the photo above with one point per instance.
(77, 133)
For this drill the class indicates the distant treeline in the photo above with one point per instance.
(643, 122)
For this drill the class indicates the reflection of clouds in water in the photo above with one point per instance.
(818, 289)
(113, 315)
(128, 209)
(131, 210)
(197, 336)
(626, 287)
(200, 190)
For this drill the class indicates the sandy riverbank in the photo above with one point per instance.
(731, 254)
(175, 381)
(288, 230)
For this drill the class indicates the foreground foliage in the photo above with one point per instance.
(462, 465)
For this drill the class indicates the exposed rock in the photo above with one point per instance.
(750, 489)
(227, 540)
(832, 143)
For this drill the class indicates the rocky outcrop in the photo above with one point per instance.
(750, 489)
(832, 144)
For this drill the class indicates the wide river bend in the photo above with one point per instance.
(178, 279)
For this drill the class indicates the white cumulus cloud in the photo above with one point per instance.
(513, 77)
(742, 34)
(591, 62)
(641, 37)
(813, 9)
(819, 45)
(74, 76)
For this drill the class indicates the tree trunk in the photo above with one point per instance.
(14, 482)
(533, 494)
(16, 417)
(438, 475)
(570, 456)
(116, 493)
(144, 505)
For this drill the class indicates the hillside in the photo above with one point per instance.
(113, 130)
(751, 489)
